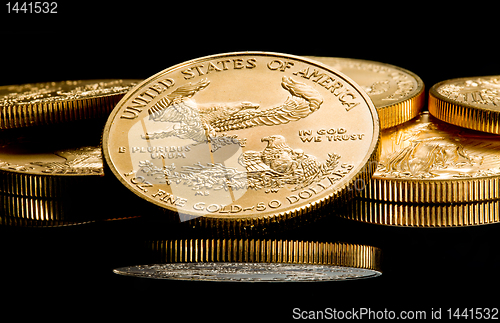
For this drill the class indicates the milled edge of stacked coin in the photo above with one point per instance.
(463, 114)
(21, 181)
(255, 251)
(51, 111)
(425, 215)
(34, 193)
(414, 190)
(247, 226)
(391, 114)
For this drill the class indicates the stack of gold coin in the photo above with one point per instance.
(43, 175)
(439, 173)
(50, 154)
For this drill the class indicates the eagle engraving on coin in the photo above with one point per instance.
(87, 157)
(480, 91)
(202, 122)
(429, 149)
(272, 168)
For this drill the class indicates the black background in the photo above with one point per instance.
(47, 270)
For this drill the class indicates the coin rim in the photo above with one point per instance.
(239, 225)
(463, 114)
(407, 190)
(22, 115)
(425, 215)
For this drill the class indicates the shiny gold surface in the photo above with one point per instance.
(258, 260)
(58, 102)
(425, 215)
(397, 93)
(470, 102)
(241, 140)
(426, 160)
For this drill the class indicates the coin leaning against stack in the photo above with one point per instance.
(243, 142)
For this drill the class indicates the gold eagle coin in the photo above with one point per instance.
(469, 102)
(239, 141)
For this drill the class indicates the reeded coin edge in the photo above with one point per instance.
(432, 191)
(36, 114)
(248, 225)
(266, 251)
(392, 115)
(40, 212)
(423, 215)
(398, 113)
(462, 115)
(52, 186)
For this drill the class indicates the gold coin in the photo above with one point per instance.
(240, 140)
(48, 164)
(470, 102)
(397, 93)
(57, 102)
(426, 160)
(425, 215)
(258, 261)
